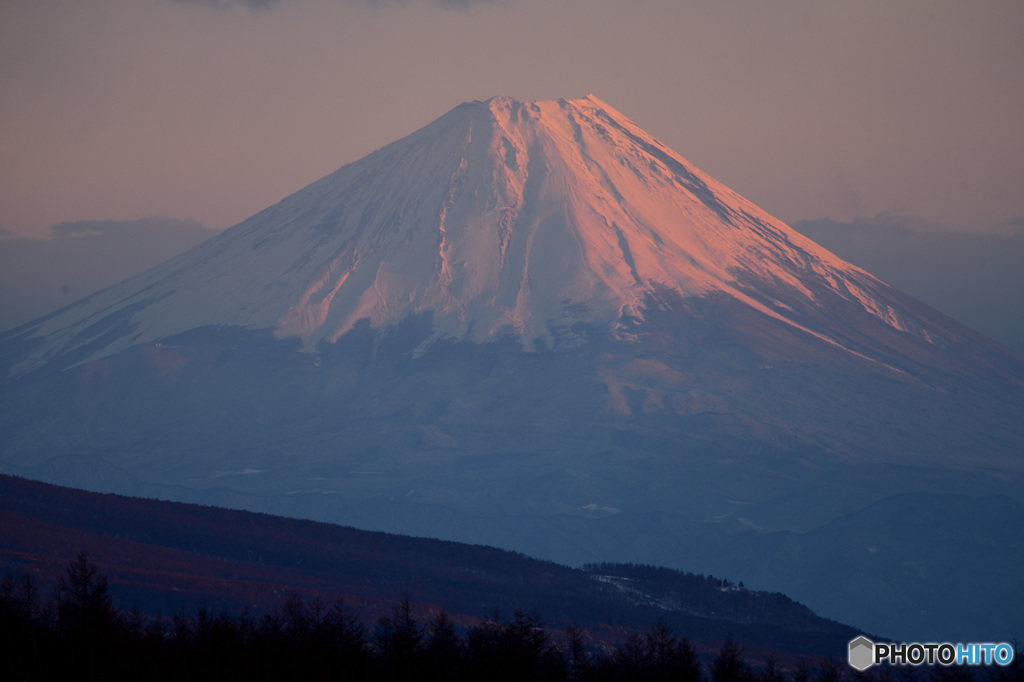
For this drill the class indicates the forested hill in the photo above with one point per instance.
(164, 557)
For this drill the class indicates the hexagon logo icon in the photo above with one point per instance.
(862, 653)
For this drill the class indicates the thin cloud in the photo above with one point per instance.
(114, 228)
(252, 5)
(463, 4)
(256, 5)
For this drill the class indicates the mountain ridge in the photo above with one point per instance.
(529, 325)
(499, 217)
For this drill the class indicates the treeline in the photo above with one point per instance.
(77, 633)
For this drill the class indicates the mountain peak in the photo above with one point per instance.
(524, 220)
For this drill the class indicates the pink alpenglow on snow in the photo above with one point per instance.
(501, 217)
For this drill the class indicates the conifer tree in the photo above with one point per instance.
(729, 665)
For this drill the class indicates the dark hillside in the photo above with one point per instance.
(163, 555)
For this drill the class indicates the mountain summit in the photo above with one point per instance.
(533, 325)
(500, 218)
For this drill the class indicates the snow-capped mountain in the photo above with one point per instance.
(533, 325)
(499, 218)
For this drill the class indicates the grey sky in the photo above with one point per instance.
(115, 109)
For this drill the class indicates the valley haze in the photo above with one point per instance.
(535, 326)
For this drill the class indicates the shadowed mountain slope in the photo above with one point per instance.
(534, 326)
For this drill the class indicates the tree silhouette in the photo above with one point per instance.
(444, 649)
(398, 641)
(729, 665)
(85, 604)
(633, 657)
(669, 657)
(87, 619)
(831, 670)
(770, 672)
(577, 658)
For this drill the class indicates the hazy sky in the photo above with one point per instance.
(215, 109)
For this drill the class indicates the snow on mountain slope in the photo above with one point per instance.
(726, 374)
(499, 217)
